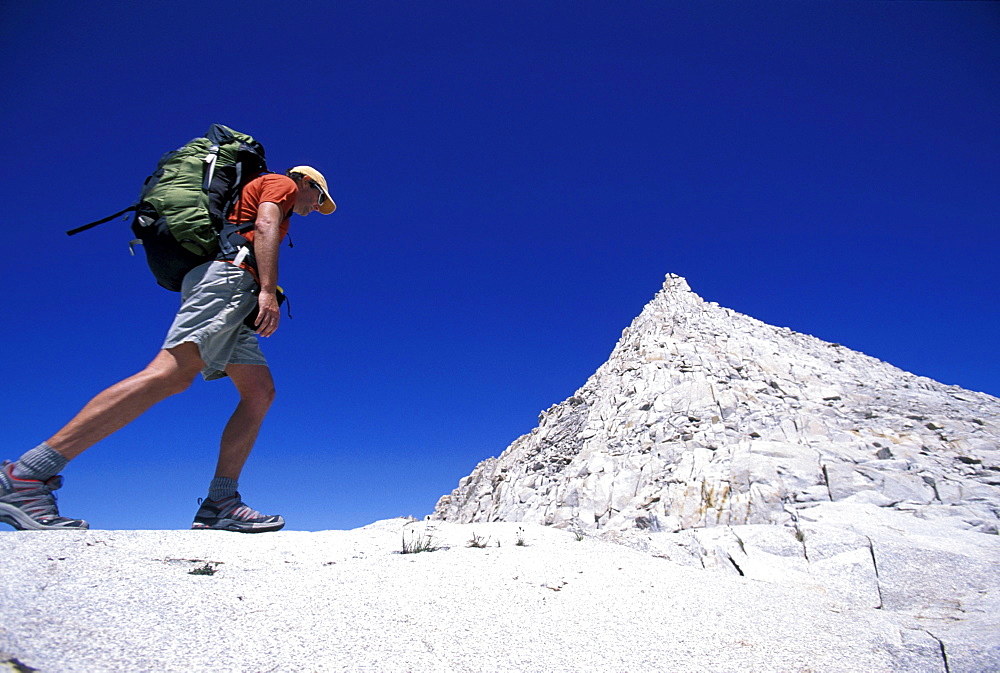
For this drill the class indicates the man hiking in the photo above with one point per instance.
(208, 335)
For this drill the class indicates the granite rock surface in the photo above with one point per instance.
(703, 417)
(719, 442)
(523, 598)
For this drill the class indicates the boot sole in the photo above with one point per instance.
(239, 526)
(16, 517)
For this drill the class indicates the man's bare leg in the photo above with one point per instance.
(224, 509)
(170, 372)
(256, 388)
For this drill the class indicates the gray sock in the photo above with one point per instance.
(40, 463)
(222, 487)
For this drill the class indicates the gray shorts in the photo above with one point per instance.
(215, 299)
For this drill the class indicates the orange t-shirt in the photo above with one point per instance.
(270, 187)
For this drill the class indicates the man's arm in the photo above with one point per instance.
(266, 239)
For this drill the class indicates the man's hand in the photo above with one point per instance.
(270, 313)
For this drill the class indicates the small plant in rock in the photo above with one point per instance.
(579, 536)
(478, 542)
(520, 538)
(13, 664)
(207, 569)
(418, 543)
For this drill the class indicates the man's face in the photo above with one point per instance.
(308, 197)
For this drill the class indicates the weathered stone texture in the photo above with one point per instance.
(704, 417)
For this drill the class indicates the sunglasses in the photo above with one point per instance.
(322, 194)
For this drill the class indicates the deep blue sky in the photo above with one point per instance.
(514, 179)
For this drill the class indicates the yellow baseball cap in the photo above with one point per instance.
(328, 205)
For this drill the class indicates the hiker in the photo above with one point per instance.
(208, 335)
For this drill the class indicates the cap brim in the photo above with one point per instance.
(328, 204)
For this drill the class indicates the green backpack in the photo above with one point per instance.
(180, 218)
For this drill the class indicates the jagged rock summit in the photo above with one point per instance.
(705, 417)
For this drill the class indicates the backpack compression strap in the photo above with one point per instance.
(85, 227)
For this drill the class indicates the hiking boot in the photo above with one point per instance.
(231, 514)
(29, 504)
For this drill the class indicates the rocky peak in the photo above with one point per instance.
(703, 416)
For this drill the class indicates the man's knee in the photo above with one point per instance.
(263, 394)
(257, 393)
(256, 400)
(174, 370)
(254, 383)
(172, 382)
